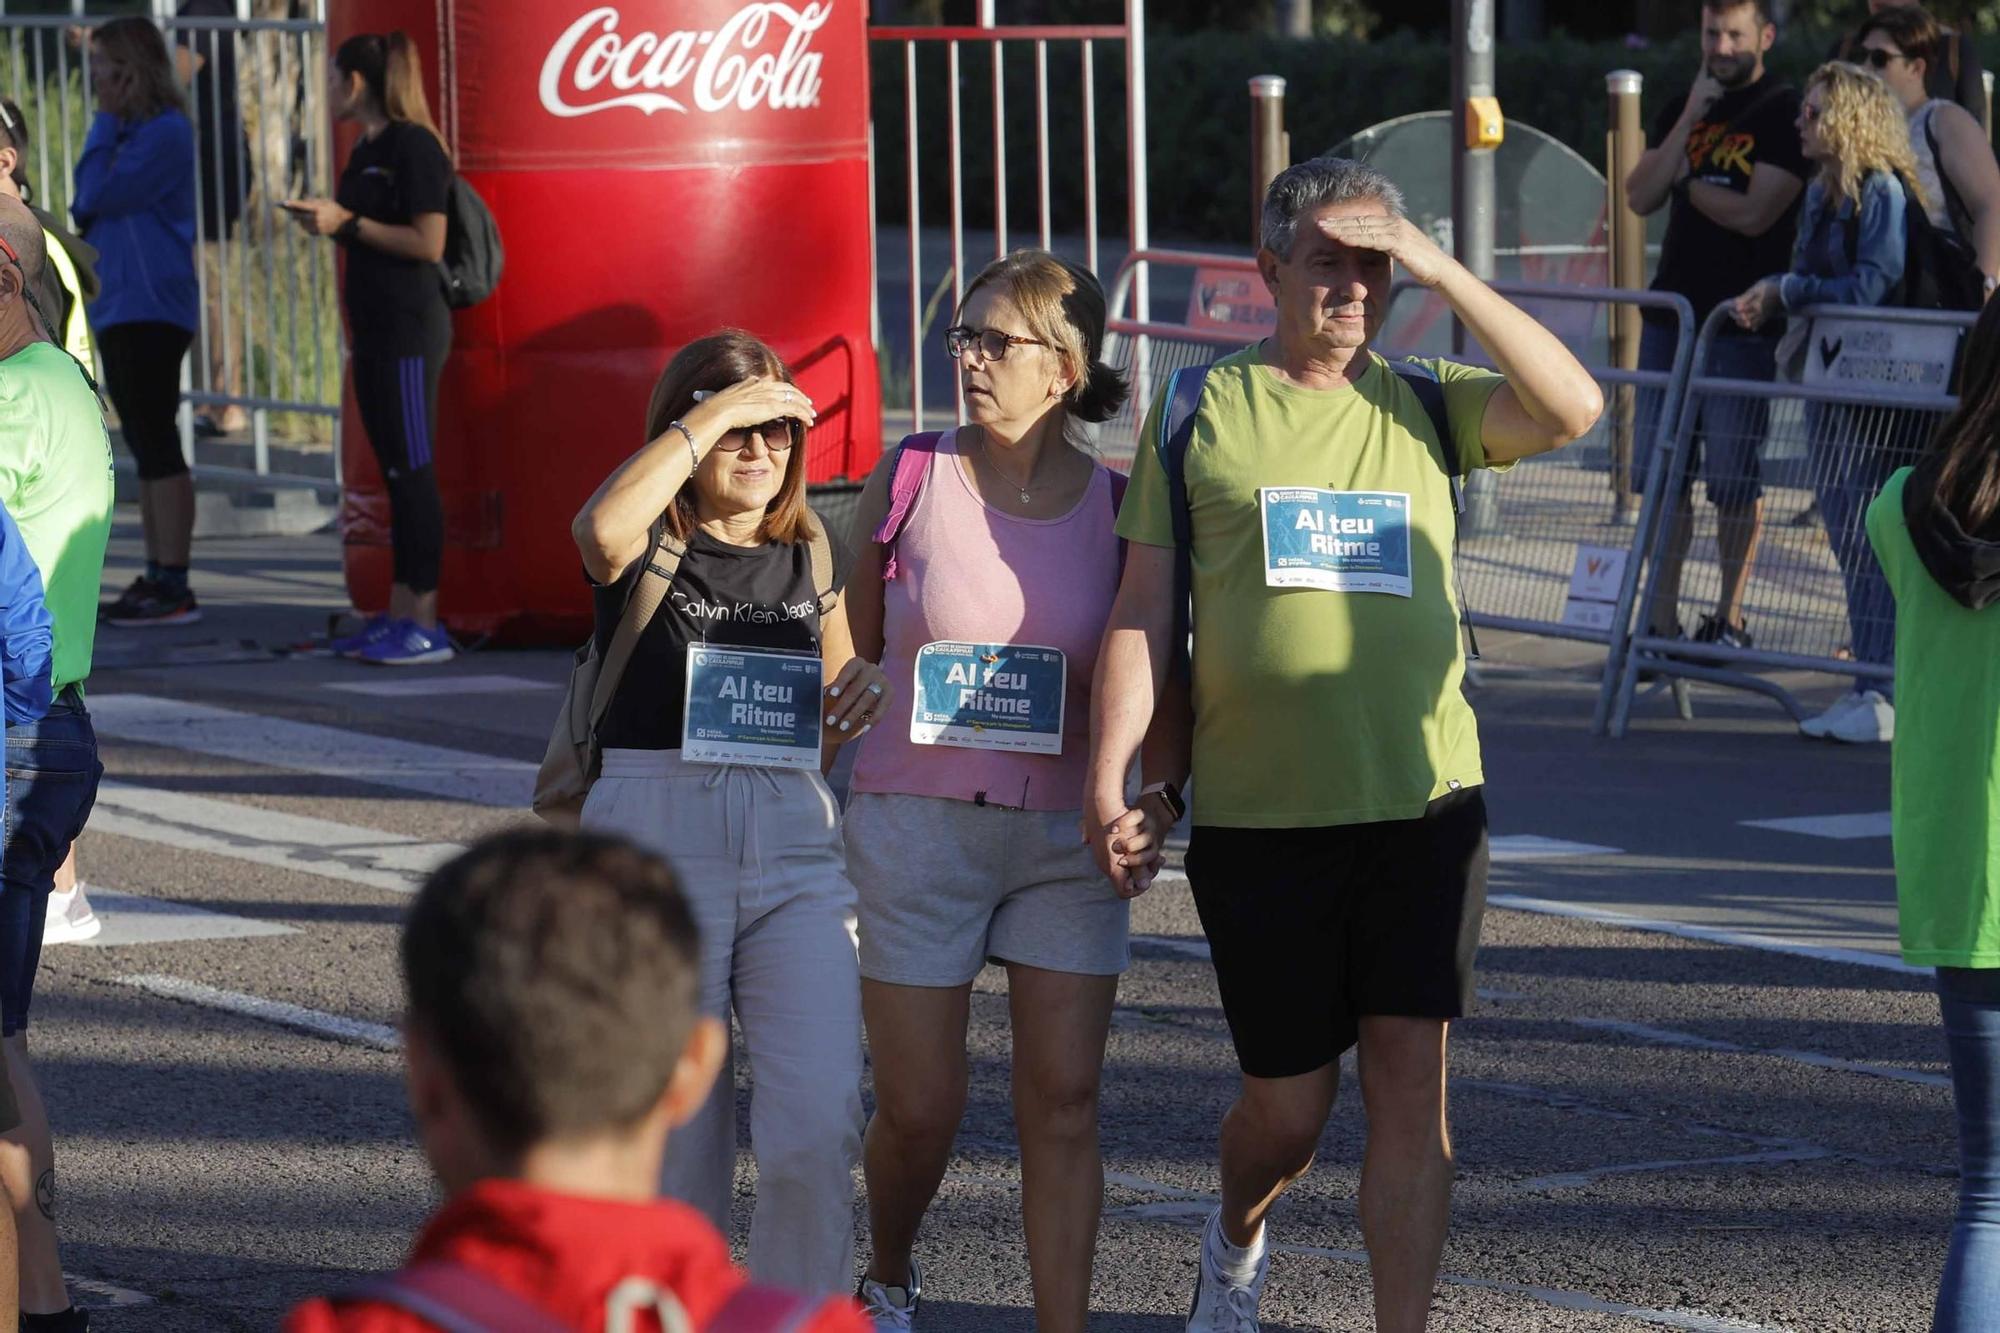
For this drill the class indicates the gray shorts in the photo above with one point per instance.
(946, 886)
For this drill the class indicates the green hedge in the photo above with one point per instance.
(1199, 114)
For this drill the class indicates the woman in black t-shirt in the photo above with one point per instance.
(390, 214)
(755, 839)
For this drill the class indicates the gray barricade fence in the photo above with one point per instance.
(269, 341)
(1546, 547)
(1811, 450)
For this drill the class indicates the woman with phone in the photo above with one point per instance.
(134, 201)
(389, 211)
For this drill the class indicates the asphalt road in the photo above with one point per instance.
(1733, 1117)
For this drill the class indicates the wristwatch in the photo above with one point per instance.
(349, 229)
(1170, 796)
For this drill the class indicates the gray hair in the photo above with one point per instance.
(1315, 184)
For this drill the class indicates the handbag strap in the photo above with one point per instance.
(455, 1299)
(656, 575)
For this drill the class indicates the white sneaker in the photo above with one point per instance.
(1871, 721)
(892, 1309)
(1220, 1306)
(70, 920)
(1820, 727)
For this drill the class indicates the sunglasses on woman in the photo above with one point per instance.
(780, 434)
(992, 343)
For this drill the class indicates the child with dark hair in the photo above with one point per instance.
(552, 1043)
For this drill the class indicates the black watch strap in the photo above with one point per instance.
(1170, 795)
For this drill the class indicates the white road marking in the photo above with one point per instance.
(1707, 934)
(268, 837)
(306, 747)
(131, 918)
(1670, 1037)
(108, 1296)
(412, 687)
(1532, 847)
(376, 1036)
(1843, 827)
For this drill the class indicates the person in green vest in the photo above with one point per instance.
(1936, 531)
(69, 279)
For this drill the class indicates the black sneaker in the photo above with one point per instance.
(1714, 629)
(149, 603)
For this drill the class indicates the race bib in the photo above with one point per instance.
(745, 706)
(1341, 541)
(990, 696)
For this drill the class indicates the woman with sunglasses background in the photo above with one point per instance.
(1850, 251)
(722, 485)
(1954, 157)
(134, 201)
(985, 573)
(389, 213)
(1954, 74)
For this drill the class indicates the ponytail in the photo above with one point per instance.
(394, 75)
(1099, 394)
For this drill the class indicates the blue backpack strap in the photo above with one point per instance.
(1176, 431)
(1424, 383)
(906, 483)
(453, 1298)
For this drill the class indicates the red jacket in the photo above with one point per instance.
(565, 1253)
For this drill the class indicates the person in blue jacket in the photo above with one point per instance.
(134, 201)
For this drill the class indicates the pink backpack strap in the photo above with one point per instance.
(454, 1299)
(760, 1309)
(906, 483)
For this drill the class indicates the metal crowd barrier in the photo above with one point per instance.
(1549, 527)
(269, 340)
(1814, 599)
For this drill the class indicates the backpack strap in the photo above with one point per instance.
(1429, 389)
(1176, 433)
(906, 483)
(454, 1298)
(759, 1309)
(649, 590)
(1955, 210)
(819, 551)
(1119, 481)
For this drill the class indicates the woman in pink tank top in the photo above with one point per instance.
(985, 569)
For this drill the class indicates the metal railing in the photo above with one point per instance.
(988, 34)
(268, 340)
(1812, 596)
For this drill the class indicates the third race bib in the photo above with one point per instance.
(990, 696)
(1340, 541)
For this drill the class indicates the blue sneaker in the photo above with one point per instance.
(409, 644)
(350, 645)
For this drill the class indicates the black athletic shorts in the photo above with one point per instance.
(1314, 929)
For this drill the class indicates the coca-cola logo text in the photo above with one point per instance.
(730, 66)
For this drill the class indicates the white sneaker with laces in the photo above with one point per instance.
(1871, 721)
(892, 1309)
(1821, 727)
(1221, 1304)
(70, 920)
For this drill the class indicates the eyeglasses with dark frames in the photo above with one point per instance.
(992, 343)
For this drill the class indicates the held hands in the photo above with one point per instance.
(1757, 305)
(747, 403)
(1398, 238)
(318, 217)
(855, 700)
(1128, 843)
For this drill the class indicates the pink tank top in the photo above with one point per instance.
(972, 574)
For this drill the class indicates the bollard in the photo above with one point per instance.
(1269, 144)
(1625, 232)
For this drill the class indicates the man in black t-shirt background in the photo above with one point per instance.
(1725, 159)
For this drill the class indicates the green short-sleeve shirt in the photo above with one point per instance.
(55, 478)
(1315, 707)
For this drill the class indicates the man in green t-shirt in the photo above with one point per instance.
(1339, 854)
(55, 477)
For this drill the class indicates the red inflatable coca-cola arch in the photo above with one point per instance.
(659, 169)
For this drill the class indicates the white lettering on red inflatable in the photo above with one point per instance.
(733, 69)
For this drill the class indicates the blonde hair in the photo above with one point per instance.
(1064, 306)
(1865, 126)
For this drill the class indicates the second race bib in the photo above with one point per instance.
(750, 707)
(990, 696)
(1341, 541)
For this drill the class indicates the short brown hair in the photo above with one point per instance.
(714, 363)
(555, 976)
(1915, 32)
(137, 43)
(1063, 304)
(1765, 18)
